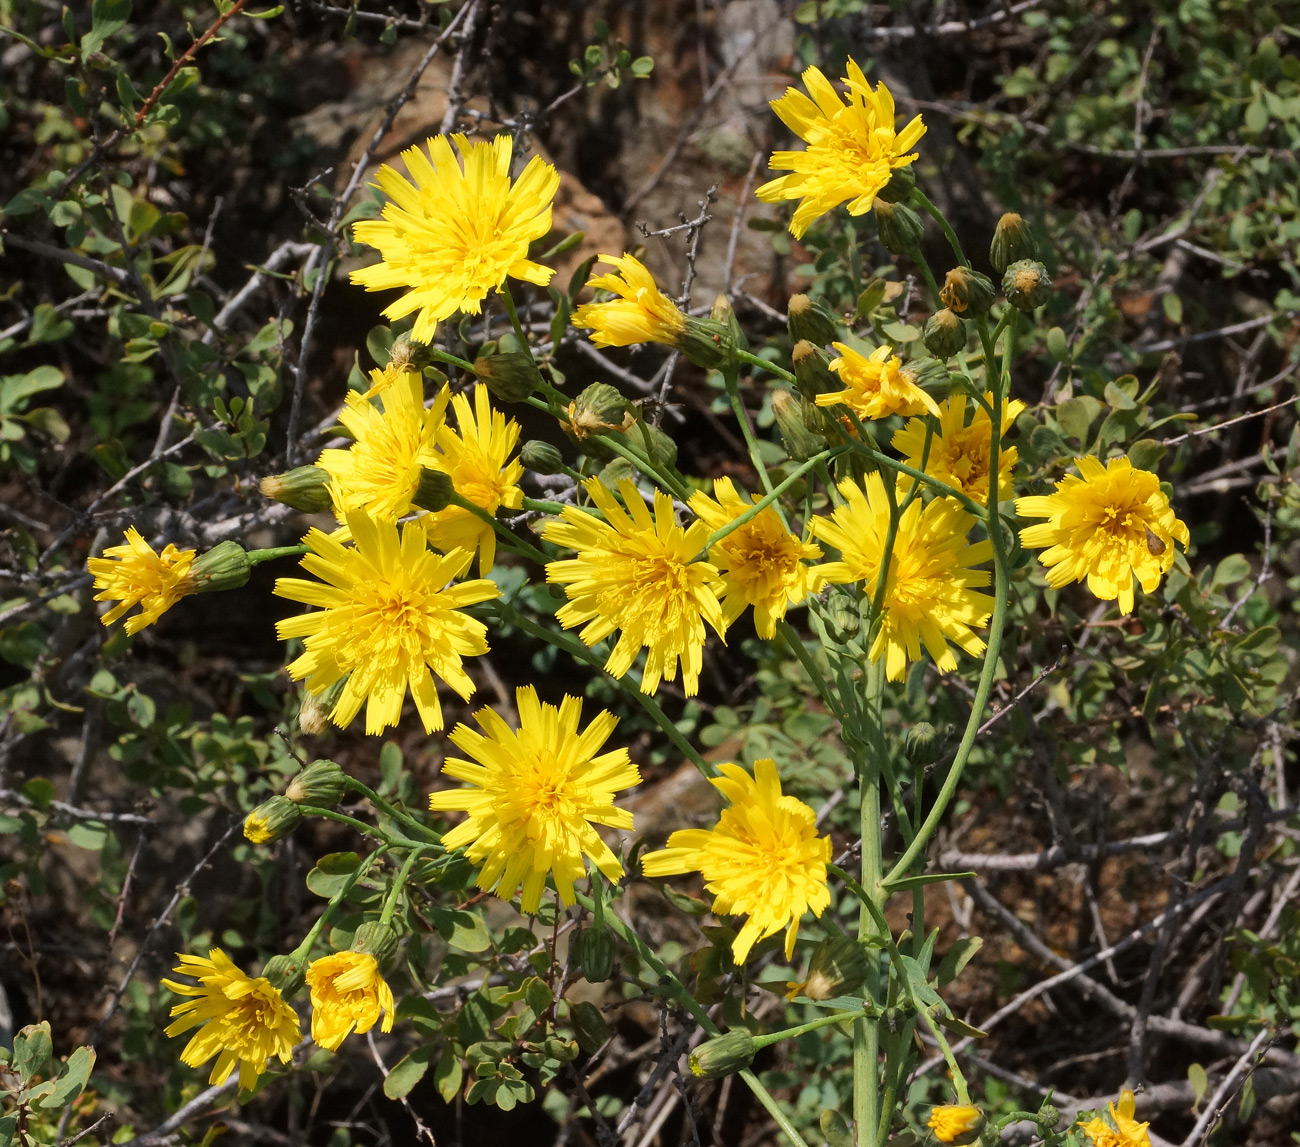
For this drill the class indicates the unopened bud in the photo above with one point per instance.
(1026, 285)
(225, 566)
(284, 973)
(304, 488)
(706, 342)
(807, 319)
(900, 186)
(315, 709)
(597, 410)
(922, 743)
(723, 1055)
(723, 312)
(842, 618)
(838, 968)
(434, 490)
(967, 292)
(376, 939)
(1013, 240)
(541, 457)
(1047, 1116)
(652, 442)
(593, 949)
(812, 370)
(509, 371)
(801, 443)
(944, 334)
(321, 784)
(900, 228)
(274, 818)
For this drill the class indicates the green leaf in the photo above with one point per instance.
(40, 792)
(1233, 569)
(957, 957)
(106, 17)
(1057, 345)
(48, 326)
(461, 929)
(71, 1081)
(1173, 308)
(907, 883)
(8, 1126)
(1075, 415)
(1200, 1083)
(589, 1025)
(448, 1075)
(18, 387)
(642, 66)
(1256, 118)
(960, 1027)
(32, 1050)
(90, 835)
(1117, 398)
(1145, 453)
(834, 1129)
(407, 1073)
(331, 873)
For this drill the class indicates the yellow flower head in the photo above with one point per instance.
(535, 794)
(876, 386)
(763, 859)
(761, 563)
(381, 378)
(380, 471)
(134, 575)
(955, 1123)
(475, 458)
(1109, 526)
(245, 1020)
(453, 235)
(930, 597)
(1127, 1132)
(389, 618)
(347, 993)
(635, 572)
(959, 454)
(642, 313)
(852, 149)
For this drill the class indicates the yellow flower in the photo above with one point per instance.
(535, 794)
(852, 148)
(245, 1020)
(347, 993)
(959, 454)
(642, 313)
(389, 618)
(381, 378)
(1109, 526)
(955, 1123)
(876, 387)
(763, 859)
(1127, 1132)
(454, 235)
(761, 563)
(930, 597)
(636, 573)
(475, 459)
(380, 471)
(134, 575)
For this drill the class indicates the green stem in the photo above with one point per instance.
(512, 541)
(300, 952)
(352, 822)
(796, 646)
(445, 356)
(257, 557)
(770, 367)
(731, 381)
(545, 507)
(931, 481)
(761, 1041)
(948, 232)
(394, 892)
(391, 810)
(576, 648)
(767, 499)
(958, 1079)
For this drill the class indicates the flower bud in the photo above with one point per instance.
(1026, 285)
(902, 182)
(652, 442)
(800, 442)
(305, 488)
(922, 743)
(598, 409)
(315, 708)
(838, 968)
(274, 818)
(944, 334)
(593, 949)
(706, 342)
(509, 371)
(1047, 1116)
(723, 312)
(956, 1124)
(723, 1055)
(284, 973)
(807, 319)
(541, 457)
(1012, 241)
(434, 491)
(376, 939)
(812, 370)
(900, 227)
(842, 618)
(225, 566)
(967, 292)
(322, 784)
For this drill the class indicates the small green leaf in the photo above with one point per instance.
(957, 957)
(834, 1129)
(71, 1081)
(407, 1073)
(32, 1050)
(1145, 453)
(1057, 345)
(1173, 308)
(1075, 416)
(448, 1075)
(331, 873)
(1200, 1083)
(461, 929)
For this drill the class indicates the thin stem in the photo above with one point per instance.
(257, 557)
(767, 499)
(300, 952)
(392, 810)
(812, 1025)
(770, 367)
(394, 892)
(958, 1080)
(796, 646)
(447, 357)
(948, 232)
(730, 380)
(509, 537)
(352, 822)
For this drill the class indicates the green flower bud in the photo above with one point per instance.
(322, 784)
(812, 370)
(967, 292)
(838, 968)
(305, 488)
(900, 186)
(706, 342)
(1012, 241)
(944, 334)
(376, 939)
(508, 371)
(652, 442)
(274, 818)
(811, 321)
(922, 744)
(842, 618)
(225, 566)
(597, 410)
(801, 443)
(315, 709)
(284, 974)
(723, 1055)
(1026, 285)
(1047, 1116)
(434, 491)
(900, 227)
(593, 949)
(723, 312)
(541, 457)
